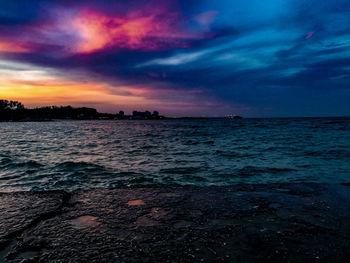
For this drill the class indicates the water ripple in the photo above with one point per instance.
(87, 154)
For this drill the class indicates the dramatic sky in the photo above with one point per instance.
(181, 57)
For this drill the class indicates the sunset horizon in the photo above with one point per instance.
(154, 131)
(272, 59)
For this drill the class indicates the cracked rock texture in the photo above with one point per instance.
(19, 210)
(242, 223)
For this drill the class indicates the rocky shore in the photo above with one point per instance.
(242, 223)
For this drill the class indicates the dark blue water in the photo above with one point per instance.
(87, 154)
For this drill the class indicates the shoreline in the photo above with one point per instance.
(239, 223)
(186, 118)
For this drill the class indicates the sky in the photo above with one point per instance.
(254, 58)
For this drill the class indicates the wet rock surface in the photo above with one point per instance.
(242, 223)
(19, 211)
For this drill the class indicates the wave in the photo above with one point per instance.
(78, 165)
(181, 170)
(191, 142)
(147, 147)
(234, 154)
(336, 122)
(10, 164)
(255, 171)
(5, 161)
(312, 153)
(80, 169)
(249, 171)
(338, 153)
(30, 164)
(175, 152)
(227, 154)
(280, 170)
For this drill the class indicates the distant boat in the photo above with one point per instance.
(236, 117)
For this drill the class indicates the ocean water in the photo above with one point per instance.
(73, 155)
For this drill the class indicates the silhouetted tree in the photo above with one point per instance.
(10, 105)
(15, 111)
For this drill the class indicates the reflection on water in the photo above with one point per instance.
(88, 154)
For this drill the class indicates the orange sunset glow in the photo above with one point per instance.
(35, 68)
(36, 86)
(56, 92)
(6, 46)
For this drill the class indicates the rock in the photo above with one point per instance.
(189, 224)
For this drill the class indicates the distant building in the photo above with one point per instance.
(120, 115)
(138, 115)
(145, 115)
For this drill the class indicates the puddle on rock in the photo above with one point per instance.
(136, 202)
(84, 222)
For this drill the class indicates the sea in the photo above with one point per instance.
(70, 155)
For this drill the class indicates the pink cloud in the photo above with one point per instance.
(87, 30)
(8, 46)
(97, 31)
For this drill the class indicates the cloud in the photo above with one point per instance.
(7, 46)
(206, 18)
(253, 58)
(175, 60)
